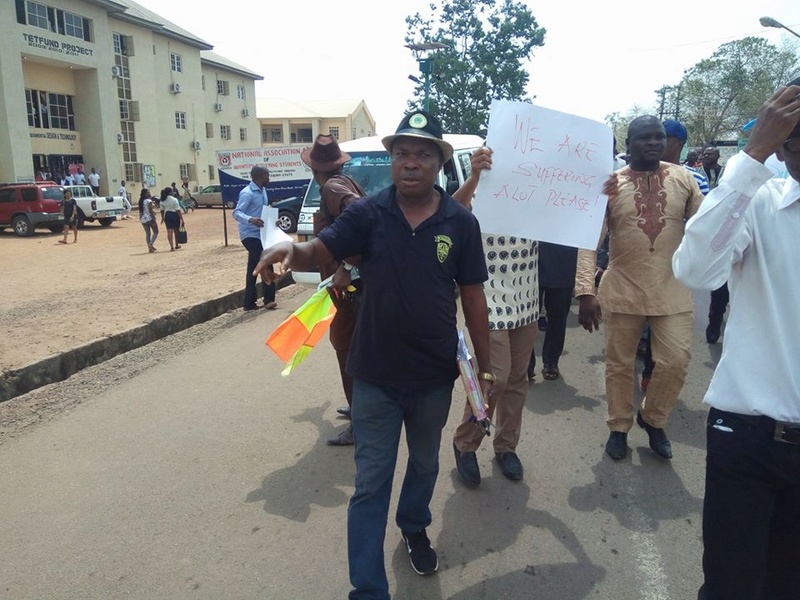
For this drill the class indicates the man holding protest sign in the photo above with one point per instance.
(649, 202)
(512, 297)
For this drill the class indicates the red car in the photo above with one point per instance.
(26, 206)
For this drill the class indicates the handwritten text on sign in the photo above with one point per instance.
(546, 181)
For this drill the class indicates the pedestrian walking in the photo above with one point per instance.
(416, 243)
(337, 192)
(746, 233)
(252, 200)
(649, 202)
(147, 218)
(171, 217)
(70, 217)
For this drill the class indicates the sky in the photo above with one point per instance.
(598, 57)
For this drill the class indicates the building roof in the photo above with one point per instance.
(127, 10)
(209, 57)
(138, 14)
(283, 108)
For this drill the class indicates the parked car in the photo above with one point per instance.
(288, 213)
(103, 209)
(211, 195)
(26, 206)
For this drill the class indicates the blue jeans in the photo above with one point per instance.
(150, 231)
(378, 415)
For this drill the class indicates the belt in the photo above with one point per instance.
(782, 431)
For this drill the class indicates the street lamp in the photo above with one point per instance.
(425, 67)
(770, 22)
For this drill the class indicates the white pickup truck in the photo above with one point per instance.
(104, 209)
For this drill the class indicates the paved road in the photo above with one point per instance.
(191, 469)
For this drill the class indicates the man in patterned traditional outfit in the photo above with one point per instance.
(648, 203)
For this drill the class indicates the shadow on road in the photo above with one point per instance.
(317, 478)
(639, 496)
(479, 523)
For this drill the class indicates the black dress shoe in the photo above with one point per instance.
(509, 465)
(617, 445)
(344, 411)
(467, 465)
(713, 331)
(658, 438)
(343, 438)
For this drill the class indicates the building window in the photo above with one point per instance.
(184, 169)
(304, 135)
(176, 62)
(73, 25)
(334, 131)
(123, 45)
(354, 133)
(222, 87)
(180, 120)
(212, 173)
(49, 111)
(31, 108)
(61, 116)
(240, 92)
(225, 132)
(209, 130)
(129, 141)
(37, 16)
(203, 82)
(57, 20)
(242, 134)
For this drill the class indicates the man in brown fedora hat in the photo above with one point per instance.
(416, 243)
(337, 192)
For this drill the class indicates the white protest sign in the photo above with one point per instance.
(271, 234)
(547, 176)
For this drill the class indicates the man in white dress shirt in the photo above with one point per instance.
(747, 231)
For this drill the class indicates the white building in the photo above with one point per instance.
(110, 85)
(285, 122)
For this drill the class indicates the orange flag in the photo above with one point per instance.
(293, 339)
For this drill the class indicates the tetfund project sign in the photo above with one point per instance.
(66, 48)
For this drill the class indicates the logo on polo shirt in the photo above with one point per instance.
(443, 245)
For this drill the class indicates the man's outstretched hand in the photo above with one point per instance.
(281, 254)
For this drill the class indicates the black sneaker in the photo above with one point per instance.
(423, 557)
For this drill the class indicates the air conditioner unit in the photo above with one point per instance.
(116, 71)
(120, 138)
(245, 112)
(175, 88)
(195, 145)
(218, 107)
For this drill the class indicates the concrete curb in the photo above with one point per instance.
(59, 367)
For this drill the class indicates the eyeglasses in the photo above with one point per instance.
(792, 145)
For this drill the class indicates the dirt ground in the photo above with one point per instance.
(54, 297)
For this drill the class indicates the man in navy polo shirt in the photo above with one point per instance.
(415, 241)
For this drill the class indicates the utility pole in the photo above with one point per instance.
(662, 94)
(421, 54)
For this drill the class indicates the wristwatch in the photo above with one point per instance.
(487, 377)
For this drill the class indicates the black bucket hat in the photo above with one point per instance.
(423, 125)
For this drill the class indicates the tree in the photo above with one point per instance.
(487, 43)
(721, 93)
